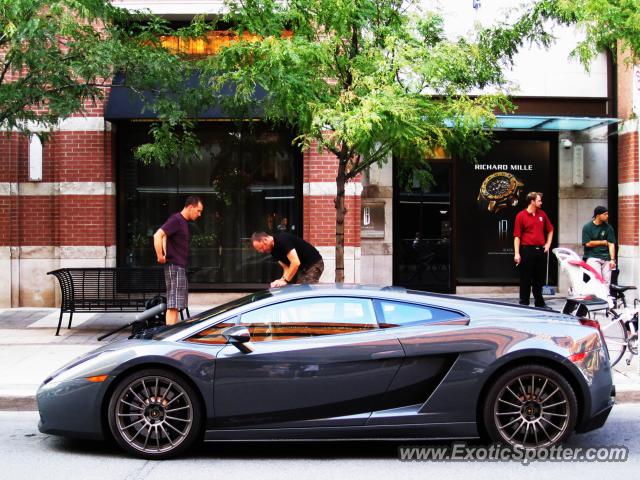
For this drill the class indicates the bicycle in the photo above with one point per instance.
(620, 330)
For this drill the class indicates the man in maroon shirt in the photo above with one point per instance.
(171, 243)
(532, 235)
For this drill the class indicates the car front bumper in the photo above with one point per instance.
(71, 408)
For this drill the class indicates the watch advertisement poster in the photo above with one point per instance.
(490, 193)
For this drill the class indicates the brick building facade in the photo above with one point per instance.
(77, 213)
(628, 166)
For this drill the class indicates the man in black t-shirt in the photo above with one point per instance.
(300, 261)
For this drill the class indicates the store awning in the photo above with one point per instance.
(123, 104)
(545, 123)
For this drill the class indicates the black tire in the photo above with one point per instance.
(530, 406)
(155, 414)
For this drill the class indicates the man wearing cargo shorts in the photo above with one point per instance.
(171, 243)
(300, 261)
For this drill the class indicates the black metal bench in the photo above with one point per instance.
(125, 289)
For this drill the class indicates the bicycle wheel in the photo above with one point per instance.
(615, 336)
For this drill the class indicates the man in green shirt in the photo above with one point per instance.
(599, 242)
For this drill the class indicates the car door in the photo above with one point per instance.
(313, 360)
(432, 339)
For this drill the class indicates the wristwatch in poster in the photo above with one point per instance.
(499, 190)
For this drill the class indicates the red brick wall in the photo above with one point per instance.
(319, 167)
(319, 212)
(628, 158)
(320, 221)
(87, 220)
(6, 221)
(59, 220)
(628, 205)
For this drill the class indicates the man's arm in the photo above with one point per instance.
(612, 254)
(288, 271)
(160, 245)
(516, 250)
(587, 242)
(596, 243)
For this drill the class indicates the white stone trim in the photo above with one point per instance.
(628, 189)
(70, 252)
(629, 251)
(330, 252)
(629, 126)
(351, 264)
(87, 188)
(70, 124)
(78, 252)
(320, 189)
(57, 188)
(5, 189)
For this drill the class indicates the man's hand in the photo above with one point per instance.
(278, 283)
(516, 258)
(546, 247)
(162, 260)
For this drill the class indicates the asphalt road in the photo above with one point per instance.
(25, 453)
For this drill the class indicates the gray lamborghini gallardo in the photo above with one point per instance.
(339, 362)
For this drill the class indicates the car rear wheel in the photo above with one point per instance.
(154, 414)
(530, 406)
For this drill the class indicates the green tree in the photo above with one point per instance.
(607, 24)
(57, 57)
(365, 79)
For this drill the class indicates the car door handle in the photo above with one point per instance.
(387, 354)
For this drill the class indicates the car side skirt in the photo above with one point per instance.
(436, 431)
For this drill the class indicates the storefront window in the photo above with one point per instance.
(248, 179)
(489, 195)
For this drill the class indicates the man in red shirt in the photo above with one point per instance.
(532, 235)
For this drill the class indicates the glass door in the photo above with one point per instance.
(422, 233)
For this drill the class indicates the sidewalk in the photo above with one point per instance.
(30, 351)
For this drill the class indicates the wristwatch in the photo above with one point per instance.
(499, 190)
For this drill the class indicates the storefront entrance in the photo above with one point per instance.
(422, 233)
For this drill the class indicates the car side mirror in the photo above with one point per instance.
(239, 337)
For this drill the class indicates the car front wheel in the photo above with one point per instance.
(530, 406)
(154, 414)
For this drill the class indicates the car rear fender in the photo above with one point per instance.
(539, 357)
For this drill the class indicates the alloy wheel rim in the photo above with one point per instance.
(154, 414)
(532, 411)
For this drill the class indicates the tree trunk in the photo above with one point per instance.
(341, 180)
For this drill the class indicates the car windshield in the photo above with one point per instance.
(165, 331)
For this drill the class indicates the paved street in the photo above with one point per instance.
(25, 451)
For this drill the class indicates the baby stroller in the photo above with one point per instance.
(588, 292)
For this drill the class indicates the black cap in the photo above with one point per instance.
(599, 210)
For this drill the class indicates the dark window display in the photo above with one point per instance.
(422, 233)
(248, 178)
(489, 195)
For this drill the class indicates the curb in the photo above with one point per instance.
(18, 404)
(628, 396)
